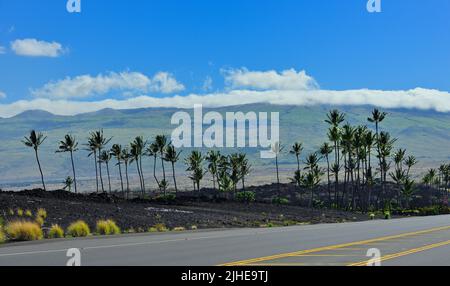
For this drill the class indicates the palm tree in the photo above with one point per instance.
(105, 157)
(296, 150)
(161, 142)
(245, 168)
(69, 145)
(312, 178)
(410, 162)
(153, 150)
(172, 156)
(377, 118)
(136, 152)
(277, 149)
(34, 141)
(116, 151)
(195, 166)
(125, 156)
(325, 151)
(97, 142)
(213, 158)
(92, 149)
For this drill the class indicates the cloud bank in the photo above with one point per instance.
(129, 82)
(2, 50)
(266, 80)
(36, 48)
(2, 95)
(285, 88)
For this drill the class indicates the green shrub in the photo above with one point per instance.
(194, 227)
(28, 213)
(372, 216)
(55, 232)
(78, 229)
(23, 231)
(179, 228)
(387, 215)
(19, 212)
(246, 197)
(107, 227)
(280, 201)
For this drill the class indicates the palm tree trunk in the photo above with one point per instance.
(142, 174)
(73, 169)
(278, 176)
(164, 172)
(154, 172)
(128, 182)
(96, 168)
(174, 178)
(100, 170)
(40, 169)
(139, 174)
(121, 179)
(109, 177)
(329, 181)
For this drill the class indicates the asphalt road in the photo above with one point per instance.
(409, 241)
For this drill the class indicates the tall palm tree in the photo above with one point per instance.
(92, 149)
(161, 142)
(105, 157)
(152, 151)
(312, 178)
(325, 151)
(98, 142)
(69, 145)
(125, 156)
(296, 150)
(245, 168)
(277, 149)
(34, 141)
(213, 158)
(172, 155)
(377, 118)
(195, 166)
(137, 151)
(116, 151)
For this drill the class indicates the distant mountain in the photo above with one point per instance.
(425, 134)
(34, 114)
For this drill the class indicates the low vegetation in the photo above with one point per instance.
(78, 229)
(107, 227)
(55, 232)
(23, 231)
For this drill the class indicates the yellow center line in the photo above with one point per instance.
(332, 247)
(404, 253)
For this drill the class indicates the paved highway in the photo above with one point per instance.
(409, 241)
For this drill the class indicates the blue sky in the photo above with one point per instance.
(338, 43)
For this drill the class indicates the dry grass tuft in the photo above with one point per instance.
(78, 229)
(55, 232)
(107, 227)
(23, 231)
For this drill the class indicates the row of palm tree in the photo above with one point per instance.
(358, 161)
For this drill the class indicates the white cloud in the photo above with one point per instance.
(2, 50)
(56, 99)
(416, 98)
(2, 95)
(129, 82)
(267, 80)
(165, 82)
(36, 48)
